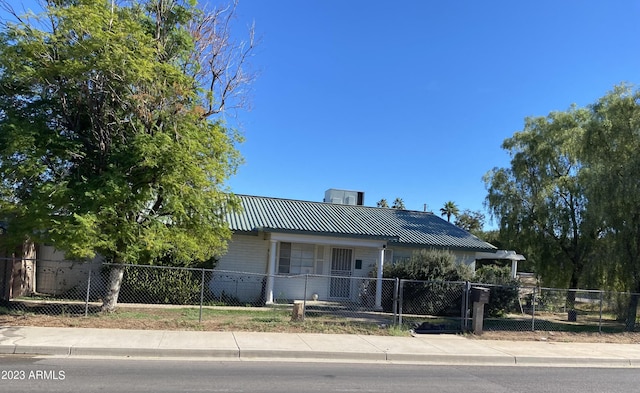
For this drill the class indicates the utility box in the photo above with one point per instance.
(480, 295)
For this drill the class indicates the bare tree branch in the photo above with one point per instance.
(219, 63)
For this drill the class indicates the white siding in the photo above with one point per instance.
(369, 257)
(467, 258)
(247, 258)
(245, 254)
(287, 288)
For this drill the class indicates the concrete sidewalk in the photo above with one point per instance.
(422, 349)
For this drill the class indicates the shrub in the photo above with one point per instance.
(504, 289)
(435, 294)
(429, 265)
(161, 286)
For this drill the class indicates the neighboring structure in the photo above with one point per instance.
(57, 275)
(504, 255)
(17, 271)
(283, 237)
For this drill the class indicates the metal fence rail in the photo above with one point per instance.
(77, 289)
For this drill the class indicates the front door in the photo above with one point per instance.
(341, 268)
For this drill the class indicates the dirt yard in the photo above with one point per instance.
(267, 321)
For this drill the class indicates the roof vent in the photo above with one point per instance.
(344, 197)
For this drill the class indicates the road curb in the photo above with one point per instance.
(542, 361)
(250, 354)
(154, 353)
(293, 355)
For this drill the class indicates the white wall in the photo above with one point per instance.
(56, 275)
(248, 255)
(245, 253)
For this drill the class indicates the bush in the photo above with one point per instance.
(161, 286)
(429, 265)
(435, 295)
(505, 290)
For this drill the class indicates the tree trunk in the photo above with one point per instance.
(113, 288)
(570, 300)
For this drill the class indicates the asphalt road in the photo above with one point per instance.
(23, 374)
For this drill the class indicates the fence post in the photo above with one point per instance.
(600, 320)
(533, 309)
(201, 296)
(86, 302)
(396, 288)
(304, 299)
(464, 313)
(400, 301)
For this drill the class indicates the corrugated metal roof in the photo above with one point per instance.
(403, 227)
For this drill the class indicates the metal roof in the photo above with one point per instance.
(401, 227)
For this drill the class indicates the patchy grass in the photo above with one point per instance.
(278, 319)
(180, 318)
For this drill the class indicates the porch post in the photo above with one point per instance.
(379, 280)
(271, 271)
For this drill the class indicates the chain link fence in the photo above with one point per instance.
(77, 289)
(433, 306)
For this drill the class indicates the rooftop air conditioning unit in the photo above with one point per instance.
(344, 197)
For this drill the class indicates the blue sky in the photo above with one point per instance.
(414, 98)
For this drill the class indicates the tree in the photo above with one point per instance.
(540, 201)
(449, 209)
(382, 203)
(610, 149)
(398, 203)
(107, 141)
(470, 221)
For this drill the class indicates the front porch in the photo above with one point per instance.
(328, 265)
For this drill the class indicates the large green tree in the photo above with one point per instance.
(611, 149)
(107, 141)
(470, 221)
(540, 201)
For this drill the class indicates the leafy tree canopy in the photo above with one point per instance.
(107, 145)
(471, 221)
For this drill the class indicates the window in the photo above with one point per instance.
(296, 258)
(284, 261)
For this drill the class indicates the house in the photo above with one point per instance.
(339, 237)
(277, 240)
